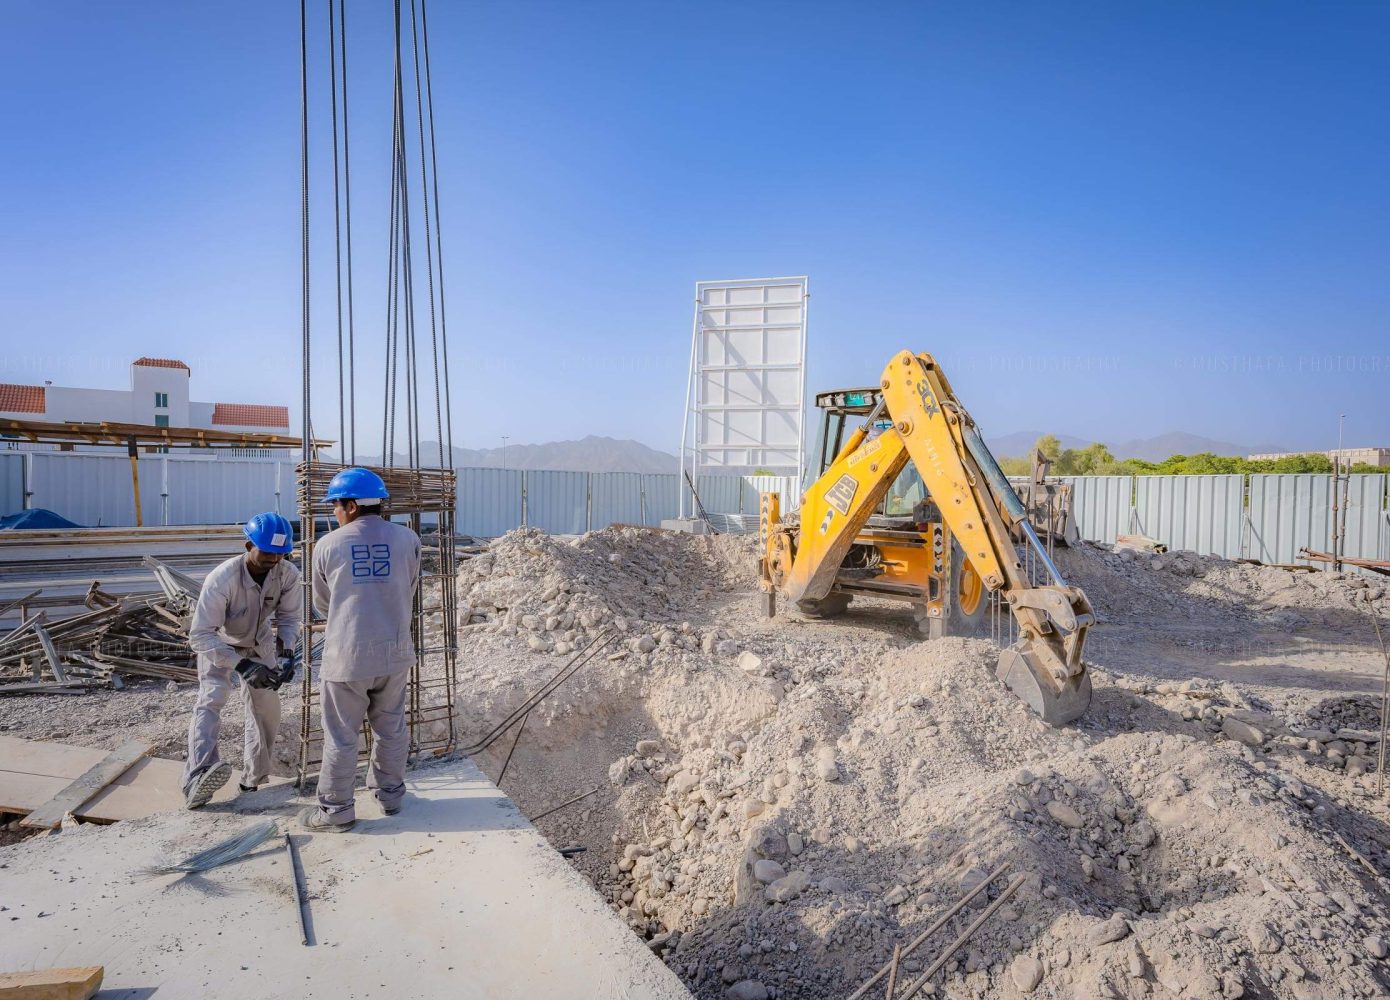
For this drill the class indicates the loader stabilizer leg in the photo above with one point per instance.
(1056, 703)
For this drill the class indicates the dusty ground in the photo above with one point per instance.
(781, 802)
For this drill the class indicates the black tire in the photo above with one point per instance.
(827, 607)
(969, 607)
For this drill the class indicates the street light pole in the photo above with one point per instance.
(504, 450)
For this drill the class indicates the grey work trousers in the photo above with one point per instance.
(345, 704)
(262, 709)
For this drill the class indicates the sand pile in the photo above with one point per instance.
(781, 802)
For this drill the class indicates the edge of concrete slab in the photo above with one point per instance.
(456, 896)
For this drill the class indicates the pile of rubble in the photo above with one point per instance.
(116, 637)
(783, 802)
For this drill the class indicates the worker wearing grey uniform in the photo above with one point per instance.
(246, 623)
(363, 580)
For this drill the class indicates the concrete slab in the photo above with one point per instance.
(457, 896)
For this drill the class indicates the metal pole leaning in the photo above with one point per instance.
(965, 936)
(940, 922)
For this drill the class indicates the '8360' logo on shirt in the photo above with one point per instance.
(371, 560)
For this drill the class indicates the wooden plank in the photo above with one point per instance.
(57, 760)
(32, 773)
(54, 664)
(47, 687)
(96, 778)
(52, 984)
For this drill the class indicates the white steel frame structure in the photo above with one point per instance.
(746, 392)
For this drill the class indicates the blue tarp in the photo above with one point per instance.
(36, 518)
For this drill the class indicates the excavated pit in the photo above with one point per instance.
(781, 802)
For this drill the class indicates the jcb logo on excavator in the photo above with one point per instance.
(928, 401)
(841, 495)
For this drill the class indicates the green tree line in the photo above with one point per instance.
(1096, 460)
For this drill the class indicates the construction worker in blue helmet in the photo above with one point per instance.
(363, 580)
(245, 626)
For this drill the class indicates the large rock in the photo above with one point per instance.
(683, 782)
(750, 662)
(1114, 929)
(827, 767)
(748, 989)
(769, 843)
(1065, 815)
(788, 887)
(1242, 732)
(1027, 972)
(1264, 940)
(767, 871)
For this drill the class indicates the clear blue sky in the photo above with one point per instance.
(1143, 217)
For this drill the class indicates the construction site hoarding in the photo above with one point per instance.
(1101, 505)
(1292, 511)
(746, 390)
(489, 501)
(1264, 517)
(615, 498)
(1197, 513)
(11, 482)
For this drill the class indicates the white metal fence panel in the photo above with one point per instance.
(661, 491)
(1196, 513)
(719, 494)
(225, 491)
(489, 502)
(786, 487)
(95, 490)
(1101, 505)
(1287, 512)
(1367, 532)
(557, 502)
(616, 499)
(11, 483)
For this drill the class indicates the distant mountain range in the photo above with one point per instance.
(1153, 449)
(606, 454)
(587, 454)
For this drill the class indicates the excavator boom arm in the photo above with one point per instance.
(932, 429)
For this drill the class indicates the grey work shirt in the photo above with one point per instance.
(233, 617)
(365, 575)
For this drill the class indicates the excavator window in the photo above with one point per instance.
(906, 492)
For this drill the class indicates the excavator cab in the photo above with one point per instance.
(910, 505)
(904, 552)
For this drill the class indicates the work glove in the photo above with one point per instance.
(288, 668)
(256, 675)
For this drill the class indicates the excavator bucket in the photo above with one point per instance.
(1056, 703)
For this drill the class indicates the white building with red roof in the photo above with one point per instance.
(158, 396)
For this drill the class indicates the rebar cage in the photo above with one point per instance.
(423, 499)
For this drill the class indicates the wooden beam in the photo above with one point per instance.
(101, 774)
(50, 653)
(79, 983)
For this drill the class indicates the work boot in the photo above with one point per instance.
(205, 785)
(313, 820)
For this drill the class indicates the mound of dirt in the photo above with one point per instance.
(778, 803)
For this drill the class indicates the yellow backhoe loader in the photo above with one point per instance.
(912, 506)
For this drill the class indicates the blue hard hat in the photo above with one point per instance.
(356, 484)
(269, 532)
